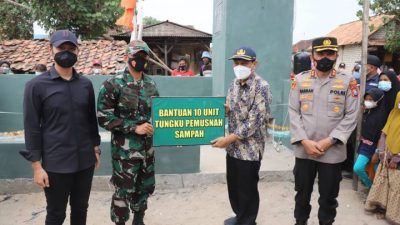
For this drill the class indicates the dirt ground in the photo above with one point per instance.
(197, 206)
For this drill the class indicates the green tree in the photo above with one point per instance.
(88, 19)
(16, 21)
(392, 27)
(148, 20)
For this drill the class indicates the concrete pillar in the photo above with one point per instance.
(264, 25)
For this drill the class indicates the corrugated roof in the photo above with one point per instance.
(169, 29)
(351, 33)
(25, 54)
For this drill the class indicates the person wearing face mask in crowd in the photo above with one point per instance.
(248, 109)
(323, 108)
(374, 120)
(373, 64)
(384, 196)
(61, 132)
(206, 68)
(183, 69)
(356, 73)
(124, 108)
(5, 67)
(40, 68)
(389, 83)
(96, 67)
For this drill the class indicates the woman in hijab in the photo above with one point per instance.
(374, 120)
(384, 196)
(389, 83)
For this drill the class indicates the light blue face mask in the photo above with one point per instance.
(385, 85)
(356, 75)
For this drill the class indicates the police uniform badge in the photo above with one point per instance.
(293, 82)
(354, 88)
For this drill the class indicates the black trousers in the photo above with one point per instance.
(76, 187)
(329, 177)
(242, 179)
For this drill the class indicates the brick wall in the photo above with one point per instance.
(349, 54)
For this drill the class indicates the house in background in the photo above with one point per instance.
(170, 41)
(25, 54)
(303, 45)
(349, 37)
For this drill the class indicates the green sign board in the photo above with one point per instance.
(187, 121)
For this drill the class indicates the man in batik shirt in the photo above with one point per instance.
(248, 108)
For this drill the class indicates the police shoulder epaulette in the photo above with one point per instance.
(302, 74)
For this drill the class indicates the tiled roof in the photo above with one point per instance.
(302, 45)
(351, 33)
(25, 54)
(169, 29)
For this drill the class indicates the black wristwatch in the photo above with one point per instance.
(334, 140)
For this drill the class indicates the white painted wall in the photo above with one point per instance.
(349, 54)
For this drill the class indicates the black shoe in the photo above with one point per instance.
(122, 223)
(300, 222)
(326, 223)
(230, 221)
(347, 175)
(138, 218)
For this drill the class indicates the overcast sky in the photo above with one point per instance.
(312, 18)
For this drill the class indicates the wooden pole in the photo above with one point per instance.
(363, 78)
(166, 56)
(160, 65)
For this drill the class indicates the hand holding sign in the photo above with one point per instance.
(145, 128)
(223, 142)
(219, 143)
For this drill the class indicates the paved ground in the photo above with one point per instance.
(213, 159)
(197, 206)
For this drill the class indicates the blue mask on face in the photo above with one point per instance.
(356, 75)
(385, 85)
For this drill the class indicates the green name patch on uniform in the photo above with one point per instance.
(187, 120)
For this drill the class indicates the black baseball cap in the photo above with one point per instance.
(374, 60)
(61, 36)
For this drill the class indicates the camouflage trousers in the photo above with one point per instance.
(134, 182)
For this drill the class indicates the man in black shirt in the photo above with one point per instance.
(61, 132)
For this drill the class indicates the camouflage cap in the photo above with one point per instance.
(137, 46)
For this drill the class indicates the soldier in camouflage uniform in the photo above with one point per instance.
(124, 108)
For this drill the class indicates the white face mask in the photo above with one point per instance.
(242, 72)
(370, 104)
(38, 73)
(5, 70)
(96, 71)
